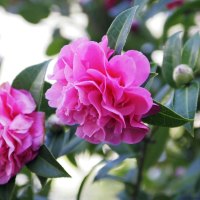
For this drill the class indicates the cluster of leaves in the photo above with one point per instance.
(166, 155)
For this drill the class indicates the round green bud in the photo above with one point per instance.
(182, 74)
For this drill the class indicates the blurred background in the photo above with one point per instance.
(32, 31)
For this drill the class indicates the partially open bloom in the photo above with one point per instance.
(21, 130)
(101, 94)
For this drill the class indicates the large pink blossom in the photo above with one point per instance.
(21, 131)
(100, 93)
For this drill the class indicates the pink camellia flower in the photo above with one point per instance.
(100, 93)
(21, 130)
(174, 4)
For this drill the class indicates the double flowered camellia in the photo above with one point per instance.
(21, 131)
(103, 95)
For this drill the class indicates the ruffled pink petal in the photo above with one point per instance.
(53, 94)
(122, 68)
(37, 129)
(92, 56)
(104, 44)
(21, 124)
(142, 66)
(24, 101)
(141, 99)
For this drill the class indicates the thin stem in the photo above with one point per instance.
(141, 160)
(140, 168)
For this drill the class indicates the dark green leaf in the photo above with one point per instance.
(166, 118)
(6, 191)
(34, 11)
(45, 165)
(103, 172)
(191, 51)
(185, 103)
(155, 149)
(120, 28)
(56, 141)
(172, 57)
(44, 107)
(72, 145)
(43, 180)
(32, 79)
(56, 44)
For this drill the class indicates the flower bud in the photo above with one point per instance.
(182, 74)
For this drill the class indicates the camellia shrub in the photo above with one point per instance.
(106, 95)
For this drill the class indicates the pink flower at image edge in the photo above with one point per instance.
(103, 95)
(21, 130)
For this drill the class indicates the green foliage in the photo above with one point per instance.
(120, 28)
(34, 11)
(185, 103)
(166, 118)
(44, 107)
(45, 165)
(172, 58)
(58, 41)
(184, 15)
(6, 191)
(191, 51)
(157, 146)
(32, 79)
(103, 172)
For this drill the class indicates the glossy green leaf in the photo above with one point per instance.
(166, 118)
(155, 149)
(56, 140)
(120, 28)
(44, 107)
(172, 58)
(185, 103)
(6, 191)
(32, 79)
(56, 44)
(43, 181)
(191, 51)
(45, 165)
(103, 172)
